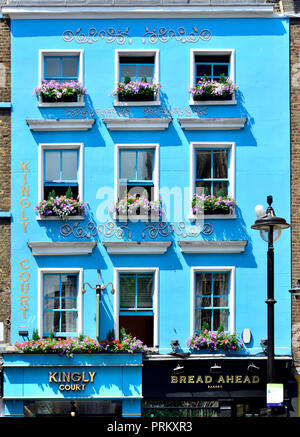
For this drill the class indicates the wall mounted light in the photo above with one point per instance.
(74, 409)
(215, 369)
(252, 368)
(178, 370)
(295, 291)
(23, 333)
(98, 289)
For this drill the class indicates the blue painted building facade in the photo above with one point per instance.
(169, 275)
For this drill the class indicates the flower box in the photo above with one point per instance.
(135, 207)
(207, 204)
(214, 342)
(52, 91)
(136, 98)
(220, 90)
(61, 206)
(136, 91)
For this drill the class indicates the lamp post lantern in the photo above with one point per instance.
(270, 227)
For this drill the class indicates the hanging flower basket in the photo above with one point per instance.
(61, 206)
(134, 91)
(207, 204)
(133, 205)
(213, 89)
(212, 341)
(53, 91)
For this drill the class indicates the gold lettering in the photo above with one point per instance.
(22, 287)
(191, 379)
(24, 189)
(92, 375)
(24, 312)
(255, 379)
(24, 178)
(22, 216)
(27, 276)
(199, 380)
(61, 387)
(24, 166)
(24, 226)
(182, 379)
(174, 379)
(83, 376)
(23, 300)
(221, 380)
(208, 379)
(52, 377)
(66, 376)
(247, 379)
(238, 379)
(21, 263)
(76, 377)
(24, 202)
(229, 379)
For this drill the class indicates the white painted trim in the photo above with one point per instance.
(193, 53)
(136, 124)
(137, 247)
(57, 146)
(155, 270)
(115, 12)
(137, 52)
(217, 145)
(44, 270)
(64, 248)
(212, 123)
(231, 270)
(119, 147)
(212, 246)
(60, 124)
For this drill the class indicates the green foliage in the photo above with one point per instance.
(127, 78)
(69, 193)
(144, 79)
(51, 194)
(110, 335)
(35, 335)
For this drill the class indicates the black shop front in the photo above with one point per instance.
(202, 386)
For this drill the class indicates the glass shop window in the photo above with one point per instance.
(212, 300)
(136, 173)
(212, 171)
(60, 304)
(136, 305)
(60, 173)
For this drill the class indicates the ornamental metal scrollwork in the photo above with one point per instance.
(93, 35)
(108, 230)
(164, 229)
(163, 35)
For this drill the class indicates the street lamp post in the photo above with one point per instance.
(270, 227)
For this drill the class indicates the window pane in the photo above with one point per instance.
(220, 318)
(220, 284)
(52, 67)
(220, 164)
(68, 321)
(70, 67)
(145, 71)
(203, 164)
(221, 301)
(220, 69)
(220, 185)
(51, 321)
(206, 187)
(52, 166)
(144, 291)
(68, 304)
(51, 304)
(128, 165)
(51, 285)
(202, 316)
(127, 69)
(203, 301)
(201, 70)
(69, 165)
(68, 285)
(145, 166)
(127, 291)
(203, 284)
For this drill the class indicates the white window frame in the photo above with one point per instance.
(137, 52)
(155, 271)
(41, 273)
(42, 54)
(214, 269)
(193, 53)
(59, 146)
(118, 148)
(213, 145)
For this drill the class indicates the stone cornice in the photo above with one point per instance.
(212, 246)
(60, 124)
(45, 248)
(136, 247)
(212, 123)
(133, 124)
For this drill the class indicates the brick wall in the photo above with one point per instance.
(295, 178)
(5, 175)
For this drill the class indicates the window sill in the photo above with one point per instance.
(214, 217)
(212, 102)
(73, 217)
(136, 218)
(61, 104)
(141, 103)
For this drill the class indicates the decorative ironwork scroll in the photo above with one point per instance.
(164, 35)
(93, 35)
(154, 230)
